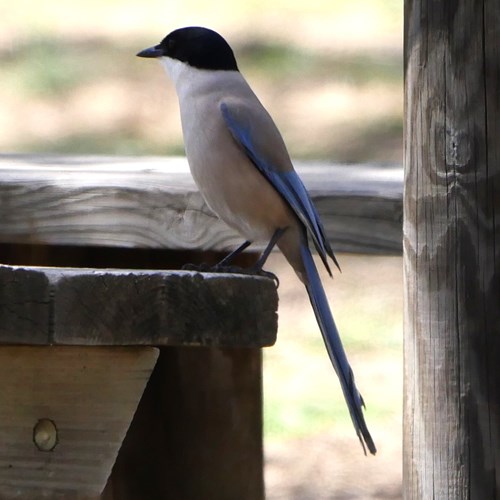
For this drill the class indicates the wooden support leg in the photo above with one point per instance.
(197, 433)
(64, 412)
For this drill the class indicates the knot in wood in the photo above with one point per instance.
(458, 149)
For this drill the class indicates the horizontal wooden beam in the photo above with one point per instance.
(152, 202)
(124, 307)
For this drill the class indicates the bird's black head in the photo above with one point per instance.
(201, 48)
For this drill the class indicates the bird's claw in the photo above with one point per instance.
(249, 271)
(201, 268)
(265, 274)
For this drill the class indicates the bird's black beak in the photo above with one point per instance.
(155, 51)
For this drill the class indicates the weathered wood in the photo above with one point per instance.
(125, 307)
(89, 395)
(154, 203)
(452, 250)
(24, 306)
(201, 417)
(198, 431)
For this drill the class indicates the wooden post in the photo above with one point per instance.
(452, 250)
(197, 432)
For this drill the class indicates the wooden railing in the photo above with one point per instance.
(154, 203)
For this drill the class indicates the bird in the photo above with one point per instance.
(241, 166)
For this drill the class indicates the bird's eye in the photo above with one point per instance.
(168, 46)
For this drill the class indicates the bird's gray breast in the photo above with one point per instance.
(228, 181)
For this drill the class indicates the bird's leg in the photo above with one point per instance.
(223, 265)
(256, 269)
(272, 243)
(228, 258)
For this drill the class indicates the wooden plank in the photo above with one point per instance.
(154, 203)
(451, 250)
(125, 307)
(90, 396)
(198, 431)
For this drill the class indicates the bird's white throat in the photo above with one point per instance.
(174, 68)
(188, 79)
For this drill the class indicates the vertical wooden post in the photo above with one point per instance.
(452, 250)
(198, 430)
(197, 433)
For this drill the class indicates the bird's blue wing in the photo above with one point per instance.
(286, 182)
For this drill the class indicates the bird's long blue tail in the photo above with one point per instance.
(335, 349)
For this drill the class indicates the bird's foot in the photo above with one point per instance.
(213, 268)
(249, 271)
(217, 268)
(266, 274)
(201, 268)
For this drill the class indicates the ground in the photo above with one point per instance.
(312, 451)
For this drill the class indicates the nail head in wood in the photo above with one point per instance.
(45, 434)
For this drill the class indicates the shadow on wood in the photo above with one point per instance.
(197, 432)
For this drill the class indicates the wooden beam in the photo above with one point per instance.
(125, 307)
(452, 250)
(154, 203)
(64, 412)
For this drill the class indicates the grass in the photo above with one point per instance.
(292, 81)
(119, 143)
(284, 61)
(329, 66)
(302, 395)
(47, 66)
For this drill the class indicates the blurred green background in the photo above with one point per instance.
(330, 73)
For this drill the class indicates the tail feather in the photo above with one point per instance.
(335, 349)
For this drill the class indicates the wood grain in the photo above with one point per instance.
(154, 203)
(90, 394)
(125, 307)
(452, 250)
